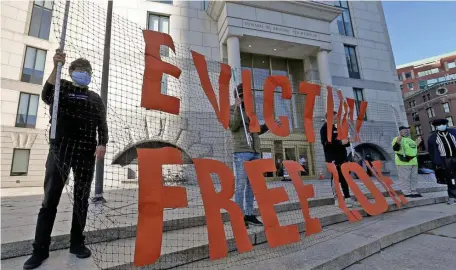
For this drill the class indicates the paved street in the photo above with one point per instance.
(435, 250)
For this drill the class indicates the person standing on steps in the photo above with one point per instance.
(442, 149)
(81, 136)
(406, 151)
(336, 152)
(244, 152)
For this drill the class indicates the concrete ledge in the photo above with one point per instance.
(350, 242)
(329, 216)
(339, 245)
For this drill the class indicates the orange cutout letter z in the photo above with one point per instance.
(153, 198)
(275, 234)
(151, 96)
(214, 201)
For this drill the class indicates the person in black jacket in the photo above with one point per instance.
(336, 152)
(81, 115)
(442, 149)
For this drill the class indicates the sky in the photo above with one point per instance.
(420, 30)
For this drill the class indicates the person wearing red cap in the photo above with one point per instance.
(442, 149)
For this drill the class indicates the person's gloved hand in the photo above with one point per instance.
(100, 152)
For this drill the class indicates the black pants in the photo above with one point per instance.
(343, 182)
(61, 158)
(450, 176)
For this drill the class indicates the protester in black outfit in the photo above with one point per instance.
(81, 114)
(336, 152)
(442, 149)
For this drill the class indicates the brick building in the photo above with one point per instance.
(422, 74)
(435, 102)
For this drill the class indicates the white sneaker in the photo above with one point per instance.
(354, 201)
(349, 202)
(451, 201)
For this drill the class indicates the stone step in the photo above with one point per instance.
(186, 247)
(176, 219)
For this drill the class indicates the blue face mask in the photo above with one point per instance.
(441, 127)
(81, 78)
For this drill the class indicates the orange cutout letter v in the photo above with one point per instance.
(223, 114)
(153, 198)
(151, 96)
(213, 202)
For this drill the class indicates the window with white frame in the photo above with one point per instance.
(450, 121)
(415, 117)
(410, 86)
(344, 21)
(418, 130)
(408, 75)
(40, 23)
(452, 64)
(430, 112)
(352, 62)
(428, 72)
(432, 126)
(20, 163)
(446, 107)
(27, 110)
(160, 23)
(33, 68)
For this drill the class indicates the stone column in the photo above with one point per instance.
(320, 110)
(323, 67)
(234, 57)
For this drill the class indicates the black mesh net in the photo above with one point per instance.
(111, 227)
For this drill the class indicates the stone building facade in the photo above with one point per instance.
(340, 43)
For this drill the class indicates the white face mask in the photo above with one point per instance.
(441, 127)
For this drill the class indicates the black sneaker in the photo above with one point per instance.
(417, 195)
(409, 196)
(252, 220)
(81, 251)
(36, 260)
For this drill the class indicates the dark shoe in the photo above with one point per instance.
(36, 260)
(417, 196)
(252, 220)
(81, 251)
(409, 196)
(246, 224)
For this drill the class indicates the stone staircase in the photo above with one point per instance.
(185, 242)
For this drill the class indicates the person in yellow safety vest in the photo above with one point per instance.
(406, 151)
